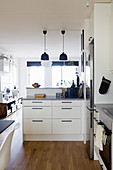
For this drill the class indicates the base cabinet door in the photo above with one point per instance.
(36, 103)
(37, 112)
(66, 126)
(66, 112)
(37, 126)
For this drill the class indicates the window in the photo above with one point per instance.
(35, 75)
(56, 76)
(62, 76)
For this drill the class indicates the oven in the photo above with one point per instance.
(105, 155)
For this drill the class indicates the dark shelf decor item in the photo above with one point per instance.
(82, 62)
(82, 40)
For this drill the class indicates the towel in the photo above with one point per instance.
(100, 137)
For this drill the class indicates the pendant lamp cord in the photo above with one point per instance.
(44, 42)
(63, 42)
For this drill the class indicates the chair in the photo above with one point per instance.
(6, 148)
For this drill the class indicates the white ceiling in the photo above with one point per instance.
(22, 22)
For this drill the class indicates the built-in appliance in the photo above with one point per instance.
(106, 123)
(90, 98)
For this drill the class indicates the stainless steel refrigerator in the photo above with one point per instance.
(90, 99)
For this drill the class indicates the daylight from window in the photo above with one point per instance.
(62, 76)
(36, 75)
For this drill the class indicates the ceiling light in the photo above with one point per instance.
(87, 4)
(63, 56)
(44, 56)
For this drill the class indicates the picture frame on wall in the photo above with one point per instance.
(82, 62)
(82, 40)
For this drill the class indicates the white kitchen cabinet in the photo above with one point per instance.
(37, 112)
(52, 120)
(66, 112)
(66, 126)
(36, 103)
(66, 117)
(66, 103)
(36, 117)
(37, 126)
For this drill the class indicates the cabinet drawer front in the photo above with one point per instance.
(37, 112)
(36, 103)
(66, 126)
(66, 103)
(66, 112)
(37, 126)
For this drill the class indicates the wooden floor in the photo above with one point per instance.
(48, 155)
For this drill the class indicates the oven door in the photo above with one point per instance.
(106, 153)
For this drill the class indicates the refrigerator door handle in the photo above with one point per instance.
(91, 102)
(90, 109)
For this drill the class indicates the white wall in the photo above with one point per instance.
(91, 25)
(22, 78)
(111, 38)
(86, 33)
(102, 51)
(17, 71)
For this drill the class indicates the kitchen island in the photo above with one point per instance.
(53, 118)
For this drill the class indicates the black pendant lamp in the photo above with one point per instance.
(44, 56)
(63, 56)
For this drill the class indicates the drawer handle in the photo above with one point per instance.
(37, 120)
(66, 120)
(66, 102)
(36, 102)
(66, 108)
(35, 108)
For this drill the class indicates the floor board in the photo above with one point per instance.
(48, 155)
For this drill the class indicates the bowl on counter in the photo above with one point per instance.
(36, 85)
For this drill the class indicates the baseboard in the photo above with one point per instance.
(53, 137)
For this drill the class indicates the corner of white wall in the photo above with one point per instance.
(102, 51)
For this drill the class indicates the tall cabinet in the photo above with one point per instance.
(98, 27)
